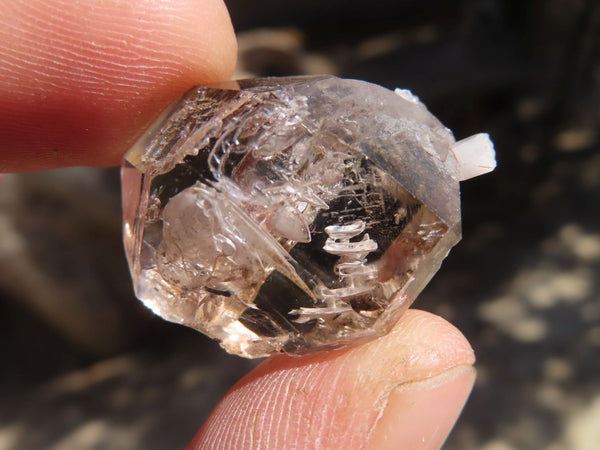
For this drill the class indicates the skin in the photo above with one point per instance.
(79, 82)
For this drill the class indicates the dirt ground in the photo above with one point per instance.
(85, 365)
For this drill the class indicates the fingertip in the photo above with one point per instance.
(79, 81)
(332, 399)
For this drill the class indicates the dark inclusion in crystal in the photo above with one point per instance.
(292, 214)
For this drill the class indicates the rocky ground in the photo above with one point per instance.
(86, 366)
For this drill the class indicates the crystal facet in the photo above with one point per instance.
(292, 214)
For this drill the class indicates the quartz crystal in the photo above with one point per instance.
(292, 214)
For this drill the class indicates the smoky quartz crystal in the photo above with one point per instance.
(292, 214)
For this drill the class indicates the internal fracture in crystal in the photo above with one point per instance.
(293, 214)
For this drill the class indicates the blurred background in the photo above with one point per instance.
(85, 365)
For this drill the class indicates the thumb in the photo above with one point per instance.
(403, 390)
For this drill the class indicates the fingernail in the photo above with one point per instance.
(420, 415)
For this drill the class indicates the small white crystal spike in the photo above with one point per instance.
(406, 94)
(475, 156)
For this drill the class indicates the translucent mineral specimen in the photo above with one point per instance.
(292, 214)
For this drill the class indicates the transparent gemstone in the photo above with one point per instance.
(289, 214)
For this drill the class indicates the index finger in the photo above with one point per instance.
(79, 81)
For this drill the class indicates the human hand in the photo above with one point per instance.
(79, 81)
